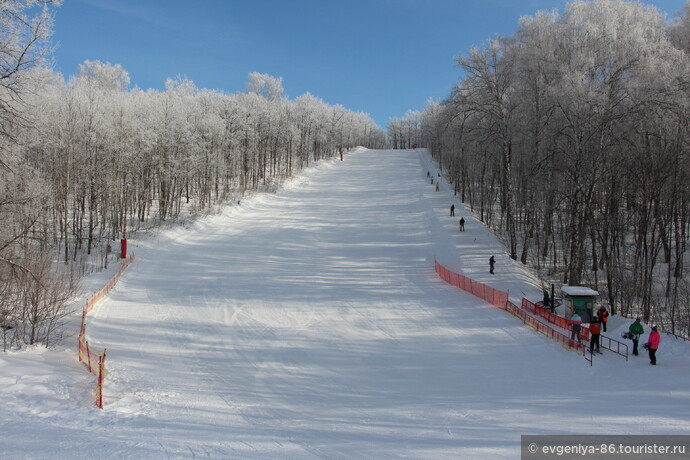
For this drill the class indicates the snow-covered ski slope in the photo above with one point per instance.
(311, 324)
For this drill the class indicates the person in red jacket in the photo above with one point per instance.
(594, 331)
(603, 315)
(654, 340)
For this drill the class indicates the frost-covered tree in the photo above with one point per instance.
(589, 111)
(86, 161)
(265, 85)
(25, 27)
(680, 30)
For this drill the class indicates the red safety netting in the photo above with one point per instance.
(554, 319)
(500, 300)
(94, 359)
(545, 329)
(481, 290)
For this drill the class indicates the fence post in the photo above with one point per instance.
(82, 330)
(88, 356)
(101, 368)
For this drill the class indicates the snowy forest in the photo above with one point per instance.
(89, 160)
(570, 138)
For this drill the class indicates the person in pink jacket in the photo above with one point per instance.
(654, 340)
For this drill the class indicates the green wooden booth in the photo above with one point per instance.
(580, 300)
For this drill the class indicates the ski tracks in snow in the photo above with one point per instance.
(311, 323)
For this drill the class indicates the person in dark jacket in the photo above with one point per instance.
(452, 210)
(547, 301)
(654, 340)
(462, 224)
(635, 331)
(492, 261)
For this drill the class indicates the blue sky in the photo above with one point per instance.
(382, 57)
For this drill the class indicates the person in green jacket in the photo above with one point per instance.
(636, 330)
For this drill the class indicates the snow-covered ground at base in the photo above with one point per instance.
(311, 324)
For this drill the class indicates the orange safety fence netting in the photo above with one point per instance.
(500, 300)
(484, 292)
(94, 359)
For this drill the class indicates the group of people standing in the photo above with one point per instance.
(598, 325)
(635, 332)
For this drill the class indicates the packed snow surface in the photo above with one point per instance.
(310, 324)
